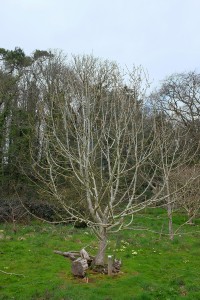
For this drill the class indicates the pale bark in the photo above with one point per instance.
(100, 256)
(170, 220)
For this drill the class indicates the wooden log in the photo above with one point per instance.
(71, 255)
(79, 266)
(84, 254)
(81, 261)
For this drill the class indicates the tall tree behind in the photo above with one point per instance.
(18, 98)
(179, 97)
(177, 129)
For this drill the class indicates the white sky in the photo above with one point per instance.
(161, 35)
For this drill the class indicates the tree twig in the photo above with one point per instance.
(11, 273)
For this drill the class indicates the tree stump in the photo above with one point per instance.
(81, 261)
(79, 266)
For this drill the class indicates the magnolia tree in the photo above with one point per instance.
(97, 134)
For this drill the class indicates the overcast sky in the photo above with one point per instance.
(161, 35)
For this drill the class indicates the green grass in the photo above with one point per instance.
(153, 267)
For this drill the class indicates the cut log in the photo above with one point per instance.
(71, 255)
(81, 261)
(84, 254)
(79, 266)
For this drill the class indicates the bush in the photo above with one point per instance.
(12, 210)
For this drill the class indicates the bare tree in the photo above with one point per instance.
(168, 159)
(173, 155)
(96, 136)
(188, 197)
(179, 97)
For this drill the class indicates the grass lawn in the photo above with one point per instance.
(153, 267)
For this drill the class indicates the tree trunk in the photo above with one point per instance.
(169, 210)
(191, 217)
(100, 257)
(170, 221)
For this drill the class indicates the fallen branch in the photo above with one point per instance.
(11, 273)
(72, 255)
(81, 260)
